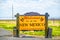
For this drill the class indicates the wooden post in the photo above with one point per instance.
(17, 23)
(46, 25)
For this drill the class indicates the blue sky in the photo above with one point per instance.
(23, 6)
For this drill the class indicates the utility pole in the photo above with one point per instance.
(12, 11)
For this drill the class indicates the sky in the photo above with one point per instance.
(52, 7)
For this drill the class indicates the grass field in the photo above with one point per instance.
(55, 25)
(7, 24)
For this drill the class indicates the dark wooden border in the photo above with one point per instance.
(46, 21)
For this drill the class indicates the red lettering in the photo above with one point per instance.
(26, 17)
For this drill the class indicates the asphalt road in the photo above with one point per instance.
(15, 38)
(4, 32)
(7, 35)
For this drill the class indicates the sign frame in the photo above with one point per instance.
(46, 21)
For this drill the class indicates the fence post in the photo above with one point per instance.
(15, 32)
(17, 24)
(49, 32)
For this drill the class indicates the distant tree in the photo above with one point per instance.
(32, 13)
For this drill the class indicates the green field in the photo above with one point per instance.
(55, 25)
(7, 24)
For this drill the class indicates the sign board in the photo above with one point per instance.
(32, 22)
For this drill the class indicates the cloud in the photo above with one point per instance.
(32, 5)
(6, 5)
(22, 6)
(5, 8)
(42, 5)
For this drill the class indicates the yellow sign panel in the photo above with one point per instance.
(31, 22)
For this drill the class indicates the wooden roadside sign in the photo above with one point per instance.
(32, 22)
